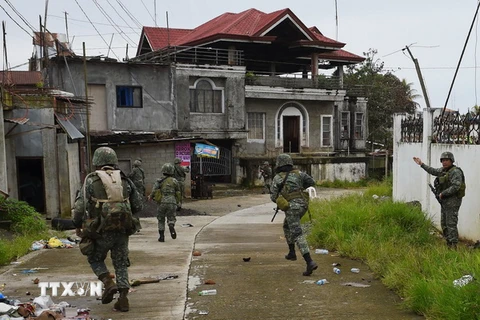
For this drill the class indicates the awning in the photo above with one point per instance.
(69, 128)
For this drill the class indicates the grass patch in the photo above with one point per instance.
(27, 227)
(398, 243)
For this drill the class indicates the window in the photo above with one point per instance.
(129, 97)
(256, 126)
(205, 97)
(326, 131)
(359, 125)
(345, 125)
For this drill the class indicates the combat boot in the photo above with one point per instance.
(109, 287)
(172, 231)
(311, 265)
(161, 238)
(122, 301)
(291, 253)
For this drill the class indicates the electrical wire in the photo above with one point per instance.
(15, 21)
(114, 9)
(129, 14)
(460, 60)
(112, 23)
(95, 28)
(20, 16)
(148, 12)
(84, 21)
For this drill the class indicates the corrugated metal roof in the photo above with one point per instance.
(69, 128)
(20, 77)
(250, 23)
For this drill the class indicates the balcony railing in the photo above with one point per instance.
(193, 55)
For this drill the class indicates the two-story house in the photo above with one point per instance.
(249, 83)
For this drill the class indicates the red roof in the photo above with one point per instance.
(341, 55)
(20, 77)
(249, 24)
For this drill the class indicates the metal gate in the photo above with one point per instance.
(212, 166)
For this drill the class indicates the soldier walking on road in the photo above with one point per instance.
(138, 176)
(166, 192)
(180, 173)
(266, 172)
(451, 190)
(103, 213)
(288, 191)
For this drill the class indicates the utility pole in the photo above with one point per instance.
(420, 77)
(89, 149)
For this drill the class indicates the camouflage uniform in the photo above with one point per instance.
(114, 241)
(292, 191)
(180, 173)
(138, 177)
(170, 191)
(266, 171)
(450, 202)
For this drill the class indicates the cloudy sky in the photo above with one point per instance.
(435, 30)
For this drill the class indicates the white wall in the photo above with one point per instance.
(410, 182)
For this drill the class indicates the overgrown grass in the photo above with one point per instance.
(27, 226)
(344, 184)
(399, 244)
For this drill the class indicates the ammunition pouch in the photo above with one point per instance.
(86, 246)
(282, 203)
(157, 196)
(90, 228)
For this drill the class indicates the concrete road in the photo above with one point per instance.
(266, 287)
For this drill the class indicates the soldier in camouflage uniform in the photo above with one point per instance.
(166, 192)
(138, 176)
(89, 201)
(180, 173)
(451, 191)
(293, 190)
(266, 172)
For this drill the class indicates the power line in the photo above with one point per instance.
(148, 12)
(85, 21)
(20, 15)
(129, 14)
(114, 9)
(95, 27)
(112, 23)
(15, 21)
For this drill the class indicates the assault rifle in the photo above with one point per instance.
(435, 190)
(275, 214)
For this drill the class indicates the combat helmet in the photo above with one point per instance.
(177, 161)
(447, 155)
(168, 169)
(137, 163)
(104, 156)
(283, 160)
(266, 163)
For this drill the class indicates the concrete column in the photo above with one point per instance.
(340, 75)
(3, 154)
(397, 136)
(427, 153)
(314, 66)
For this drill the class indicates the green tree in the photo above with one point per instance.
(386, 95)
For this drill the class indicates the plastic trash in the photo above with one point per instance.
(463, 281)
(336, 270)
(211, 292)
(355, 270)
(321, 251)
(322, 282)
